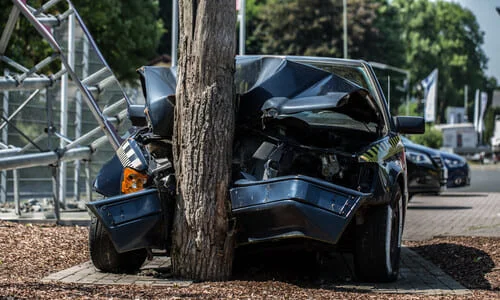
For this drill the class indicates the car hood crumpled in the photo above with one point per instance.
(273, 86)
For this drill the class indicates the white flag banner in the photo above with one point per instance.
(484, 102)
(430, 95)
(476, 109)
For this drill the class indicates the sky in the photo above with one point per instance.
(489, 22)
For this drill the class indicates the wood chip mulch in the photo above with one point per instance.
(29, 252)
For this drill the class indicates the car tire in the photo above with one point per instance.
(104, 255)
(378, 242)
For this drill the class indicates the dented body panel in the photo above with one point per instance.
(315, 148)
(131, 220)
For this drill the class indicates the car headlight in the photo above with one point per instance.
(133, 181)
(418, 158)
(454, 163)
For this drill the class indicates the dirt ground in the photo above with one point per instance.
(30, 252)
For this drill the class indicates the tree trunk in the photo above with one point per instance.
(204, 118)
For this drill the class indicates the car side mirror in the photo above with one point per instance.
(410, 124)
(136, 114)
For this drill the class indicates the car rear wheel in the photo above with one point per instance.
(104, 255)
(378, 242)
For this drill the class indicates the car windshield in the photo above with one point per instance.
(319, 91)
(355, 74)
(328, 118)
(251, 71)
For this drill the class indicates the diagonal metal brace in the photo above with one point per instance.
(21, 133)
(9, 27)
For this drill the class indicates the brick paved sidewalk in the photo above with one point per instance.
(417, 276)
(453, 214)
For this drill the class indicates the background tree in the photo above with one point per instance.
(203, 243)
(489, 123)
(446, 36)
(254, 8)
(431, 138)
(299, 27)
(305, 27)
(126, 31)
(165, 45)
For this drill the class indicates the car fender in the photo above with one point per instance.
(388, 154)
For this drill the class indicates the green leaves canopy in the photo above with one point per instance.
(446, 36)
(314, 27)
(126, 31)
(418, 35)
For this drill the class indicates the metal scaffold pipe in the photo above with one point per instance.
(90, 135)
(45, 62)
(46, 6)
(43, 159)
(14, 64)
(44, 31)
(9, 152)
(55, 20)
(94, 76)
(31, 97)
(9, 27)
(11, 84)
(114, 107)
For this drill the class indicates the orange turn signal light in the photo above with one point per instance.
(133, 181)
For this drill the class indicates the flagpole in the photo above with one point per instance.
(466, 92)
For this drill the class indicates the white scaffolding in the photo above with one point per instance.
(90, 87)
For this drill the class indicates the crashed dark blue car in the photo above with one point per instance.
(317, 162)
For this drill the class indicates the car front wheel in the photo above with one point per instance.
(378, 242)
(104, 255)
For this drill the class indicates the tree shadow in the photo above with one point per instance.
(431, 207)
(462, 195)
(299, 268)
(466, 265)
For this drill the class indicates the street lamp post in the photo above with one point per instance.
(401, 71)
(345, 28)
(242, 26)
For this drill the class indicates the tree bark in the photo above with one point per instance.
(203, 243)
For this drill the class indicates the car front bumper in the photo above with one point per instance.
(130, 219)
(458, 177)
(293, 207)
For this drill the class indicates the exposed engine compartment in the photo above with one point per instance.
(281, 150)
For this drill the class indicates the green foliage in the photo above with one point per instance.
(314, 27)
(419, 35)
(446, 36)
(254, 9)
(414, 109)
(127, 33)
(431, 138)
(165, 46)
(26, 45)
